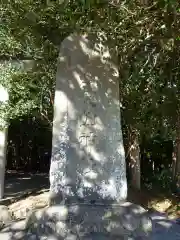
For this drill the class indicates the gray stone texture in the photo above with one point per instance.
(88, 162)
(5, 215)
(162, 228)
(91, 222)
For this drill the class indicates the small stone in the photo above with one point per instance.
(5, 215)
(71, 237)
(116, 229)
(19, 235)
(32, 237)
(135, 217)
(47, 221)
(146, 224)
(18, 225)
(57, 212)
(61, 229)
(34, 217)
(129, 222)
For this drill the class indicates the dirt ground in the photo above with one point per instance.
(164, 203)
(27, 192)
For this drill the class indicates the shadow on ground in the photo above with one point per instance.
(19, 185)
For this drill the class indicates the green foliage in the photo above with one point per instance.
(150, 69)
(9, 46)
(30, 92)
(7, 70)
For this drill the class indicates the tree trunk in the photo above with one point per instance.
(177, 170)
(134, 161)
(176, 156)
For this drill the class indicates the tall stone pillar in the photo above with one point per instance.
(3, 141)
(88, 159)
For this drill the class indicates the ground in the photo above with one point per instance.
(27, 191)
(161, 202)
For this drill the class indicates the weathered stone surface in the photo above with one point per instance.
(163, 228)
(53, 213)
(5, 215)
(88, 162)
(82, 221)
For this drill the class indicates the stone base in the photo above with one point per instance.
(82, 221)
(91, 199)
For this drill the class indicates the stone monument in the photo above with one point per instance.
(87, 173)
(88, 159)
